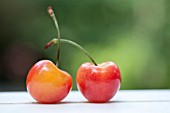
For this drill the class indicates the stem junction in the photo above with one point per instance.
(54, 41)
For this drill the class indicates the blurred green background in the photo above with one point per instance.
(135, 34)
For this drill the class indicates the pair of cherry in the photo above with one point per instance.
(46, 83)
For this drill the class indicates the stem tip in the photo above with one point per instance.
(49, 44)
(50, 11)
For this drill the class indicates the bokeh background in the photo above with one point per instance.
(133, 33)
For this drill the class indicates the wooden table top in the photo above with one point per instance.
(125, 101)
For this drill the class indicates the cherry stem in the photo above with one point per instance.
(51, 13)
(54, 41)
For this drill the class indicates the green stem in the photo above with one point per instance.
(51, 13)
(54, 41)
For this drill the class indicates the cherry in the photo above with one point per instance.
(48, 84)
(97, 82)
(45, 82)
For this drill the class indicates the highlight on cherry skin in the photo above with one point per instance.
(98, 83)
(48, 84)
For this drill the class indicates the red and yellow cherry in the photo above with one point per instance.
(45, 82)
(98, 83)
(48, 84)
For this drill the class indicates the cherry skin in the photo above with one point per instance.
(98, 83)
(48, 84)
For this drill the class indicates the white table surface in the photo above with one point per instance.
(125, 101)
